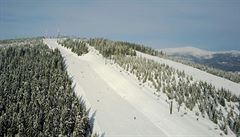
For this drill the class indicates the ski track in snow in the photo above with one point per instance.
(197, 74)
(117, 98)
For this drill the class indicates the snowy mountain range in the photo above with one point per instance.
(225, 60)
(114, 88)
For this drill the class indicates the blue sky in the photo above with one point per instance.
(207, 24)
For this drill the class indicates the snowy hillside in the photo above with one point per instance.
(197, 74)
(218, 82)
(124, 107)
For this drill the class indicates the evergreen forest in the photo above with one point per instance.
(37, 97)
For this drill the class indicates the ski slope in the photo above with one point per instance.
(197, 74)
(116, 98)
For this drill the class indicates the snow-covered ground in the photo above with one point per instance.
(197, 74)
(117, 98)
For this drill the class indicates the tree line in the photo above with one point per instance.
(110, 48)
(107, 48)
(77, 46)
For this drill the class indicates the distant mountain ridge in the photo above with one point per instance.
(225, 60)
(188, 51)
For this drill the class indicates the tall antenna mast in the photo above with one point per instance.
(58, 33)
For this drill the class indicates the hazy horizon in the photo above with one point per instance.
(209, 25)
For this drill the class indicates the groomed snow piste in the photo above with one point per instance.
(116, 98)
